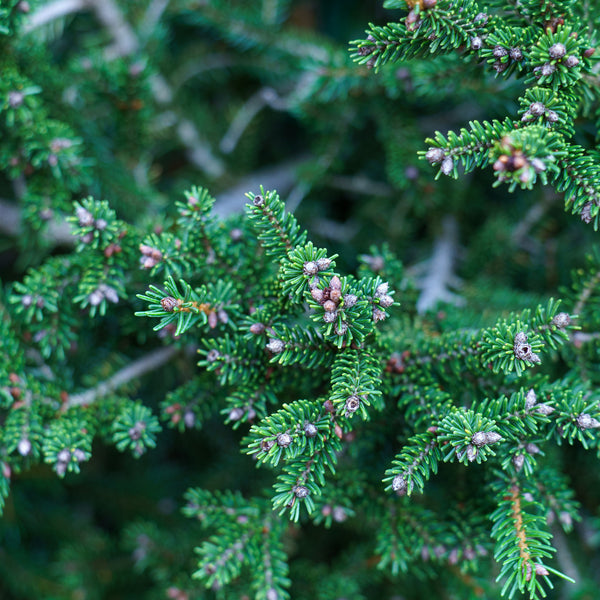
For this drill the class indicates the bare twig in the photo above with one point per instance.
(439, 277)
(360, 184)
(124, 38)
(58, 232)
(280, 177)
(137, 368)
(264, 97)
(52, 11)
(152, 16)
(125, 43)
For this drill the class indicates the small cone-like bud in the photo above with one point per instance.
(434, 155)
(530, 399)
(275, 345)
(330, 317)
(571, 61)
(352, 404)
(562, 320)
(472, 453)
(399, 483)
(284, 440)
(350, 300)
(300, 491)
(310, 268)
(557, 50)
(24, 447)
(479, 439)
(585, 421)
(537, 109)
(447, 166)
(476, 43)
(335, 294)
(518, 461)
(386, 301)
(79, 455)
(169, 303)
(317, 294)
(64, 456)
(310, 430)
(257, 328)
(492, 437)
(323, 263)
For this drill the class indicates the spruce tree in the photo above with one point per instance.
(287, 317)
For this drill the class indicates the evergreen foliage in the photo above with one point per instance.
(200, 399)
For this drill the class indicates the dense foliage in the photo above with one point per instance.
(287, 319)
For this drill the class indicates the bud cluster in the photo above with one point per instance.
(478, 440)
(539, 109)
(311, 269)
(383, 299)
(150, 256)
(330, 298)
(531, 404)
(437, 155)
(518, 459)
(64, 457)
(86, 219)
(557, 55)
(102, 292)
(513, 160)
(178, 413)
(504, 55)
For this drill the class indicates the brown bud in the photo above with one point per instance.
(329, 306)
(284, 440)
(169, 303)
(338, 431)
(310, 268)
(399, 484)
(335, 294)
(472, 453)
(257, 328)
(317, 294)
(300, 491)
(352, 404)
(561, 320)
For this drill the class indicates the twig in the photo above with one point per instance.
(264, 97)
(55, 10)
(137, 368)
(565, 559)
(360, 184)
(126, 43)
(58, 232)
(125, 40)
(280, 177)
(434, 286)
(152, 16)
